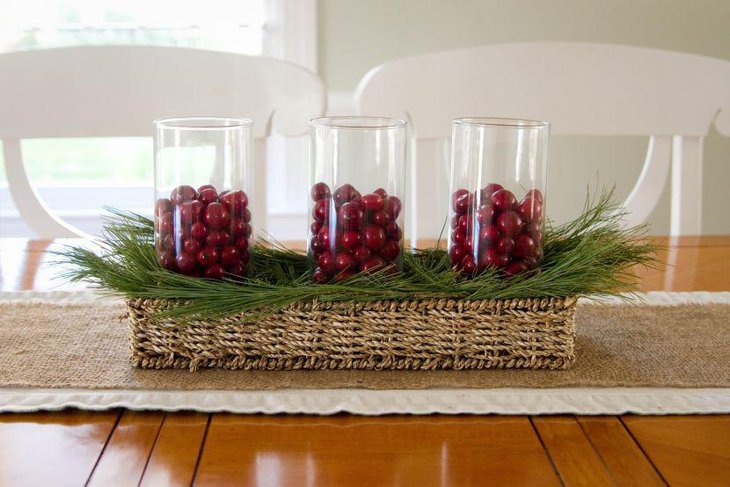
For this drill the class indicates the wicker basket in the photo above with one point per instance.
(406, 335)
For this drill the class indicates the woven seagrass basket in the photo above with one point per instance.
(429, 334)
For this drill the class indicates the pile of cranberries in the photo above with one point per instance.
(493, 229)
(202, 232)
(353, 233)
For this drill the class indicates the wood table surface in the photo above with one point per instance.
(120, 447)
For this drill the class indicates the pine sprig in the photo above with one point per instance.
(592, 254)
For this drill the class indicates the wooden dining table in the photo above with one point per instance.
(123, 447)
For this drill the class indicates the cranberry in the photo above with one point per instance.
(531, 261)
(373, 237)
(485, 214)
(491, 258)
(191, 246)
(515, 267)
(238, 228)
(162, 206)
(208, 256)
(373, 263)
(315, 227)
(217, 238)
(207, 195)
(321, 210)
(394, 231)
(457, 253)
(351, 240)
(468, 245)
(530, 209)
(372, 202)
(350, 215)
(489, 190)
(362, 254)
(216, 216)
(325, 236)
(468, 265)
(166, 223)
(326, 262)
(320, 191)
(237, 269)
(345, 194)
(245, 257)
(246, 215)
(182, 194)
(344, 260)
(509, 223)
(505, 245)
(380, 218)
(185, 262)
(194, 273)
(198, 230)
(524, 246)
(241, 243)
(390, 251)
(489, 233)
(214, 271)
(248, 231)
(535, 193)
(190, 211)
(230, 255)
(320, 277)
(381, 192)
(392, 206)
(456, 201)
(458, 236)
(234, 201)
(503, 200)
(347, 273)
(167, 261)
(168, 242)
(316, 246)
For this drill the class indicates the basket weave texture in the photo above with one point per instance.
(428, 334)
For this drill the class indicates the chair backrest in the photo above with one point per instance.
(113, 91)
(582, 88)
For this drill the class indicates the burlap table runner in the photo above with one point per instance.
(47, 344)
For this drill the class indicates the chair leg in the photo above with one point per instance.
(686, 209)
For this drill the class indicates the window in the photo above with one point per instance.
(118, 172)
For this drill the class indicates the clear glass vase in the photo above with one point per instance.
(203, 182)
(497, 186)
(357, 179)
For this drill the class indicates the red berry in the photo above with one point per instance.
(515, 267)
(190, 211)
(373, 237)
(207, 195)
(381, 192)
(392, 206)
(351, 240)
(167, 261)
(185, 262)
(316, 246)
(237, 269)
(216, 215)
(182, 194)
(468, 265)
(362, 254)
(230, 255)
(531, 262)
(344, 260)
(341, 276)
(162, 206)
(191, 246)
(245, 257)
(315, 227)
(524, 246)
(320, 277)
(394, 231)
(464, 223)
(166, 224)
(390, 251)
(320, 191)
(373, 263)
(168, 242)
(489, 190)
(198, 230)
(505, 245)
(241, 243)
(458, 236)
(326, 262)
(239, 228)
(503, 200)
(380, 218)
(234, 201)
(457, 204)
(530, 209)
(208, 256)
(345, 194)
(485, 214)
(489, 233)
(457, 253)
(535, 193)
(321, 210)
(325, 236)
(217, 238)
(246, 215)
(214, 271)
(350, 215)
(509, 223)
(372, 202)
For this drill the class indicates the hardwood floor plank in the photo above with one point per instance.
(571, 452)
(56, 448)
(176, 450)
(687, 450)
(625, 461)
(125, 457)
(348, 450)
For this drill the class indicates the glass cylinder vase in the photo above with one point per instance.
(357, 179)
(497, 186)
(203, 181)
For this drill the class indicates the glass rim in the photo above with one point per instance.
(520, 123)
(358, 122)
(201, 123)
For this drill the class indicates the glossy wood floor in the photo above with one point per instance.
(119, 448)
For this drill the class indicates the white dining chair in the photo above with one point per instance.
(117, 91)
(583, 89)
